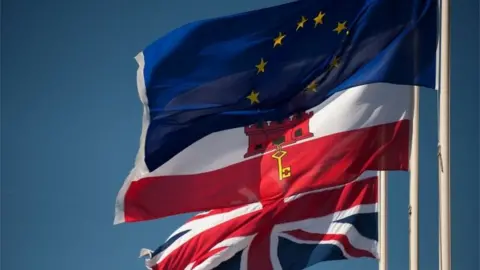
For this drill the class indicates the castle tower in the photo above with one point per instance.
(265, 136)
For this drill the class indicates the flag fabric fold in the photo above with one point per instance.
(269, 103)
(336, 223)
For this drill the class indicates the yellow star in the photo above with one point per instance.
(335, 62)
(319, 18)
(340, 27)
(278, 40)
(253, 97)
(261, 67)
(301, 23)
(312, 86)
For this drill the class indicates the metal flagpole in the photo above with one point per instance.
(414, 171)
(444, 135)
(439, 243)
(413, 208)
(437, 87)
(439, 227)
(382, 239)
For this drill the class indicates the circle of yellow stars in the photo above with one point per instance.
(253, 97)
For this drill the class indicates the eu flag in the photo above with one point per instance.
(235, 70)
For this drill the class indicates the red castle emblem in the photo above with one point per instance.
(265, 136)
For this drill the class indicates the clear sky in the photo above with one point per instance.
(71, 119)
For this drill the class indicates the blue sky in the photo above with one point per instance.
(71, 119)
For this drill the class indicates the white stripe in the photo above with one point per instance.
(364, 176)
(244, 257)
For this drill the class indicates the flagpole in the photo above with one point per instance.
(413, 209)
(444, 135)
(439, 243)
(439, 229)
(382, 239)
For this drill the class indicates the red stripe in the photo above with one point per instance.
(319, 163)
(342, 238)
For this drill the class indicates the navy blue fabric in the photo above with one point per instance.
(233, 263)
(198, 76)
(295, 256)
(365, 224)
(169, 242)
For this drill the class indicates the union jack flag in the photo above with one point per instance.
(292, 233)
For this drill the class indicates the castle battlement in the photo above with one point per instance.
(268, 135)
(289, 122)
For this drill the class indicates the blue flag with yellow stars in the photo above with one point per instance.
(266, 65)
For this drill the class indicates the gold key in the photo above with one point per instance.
(283, 172)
